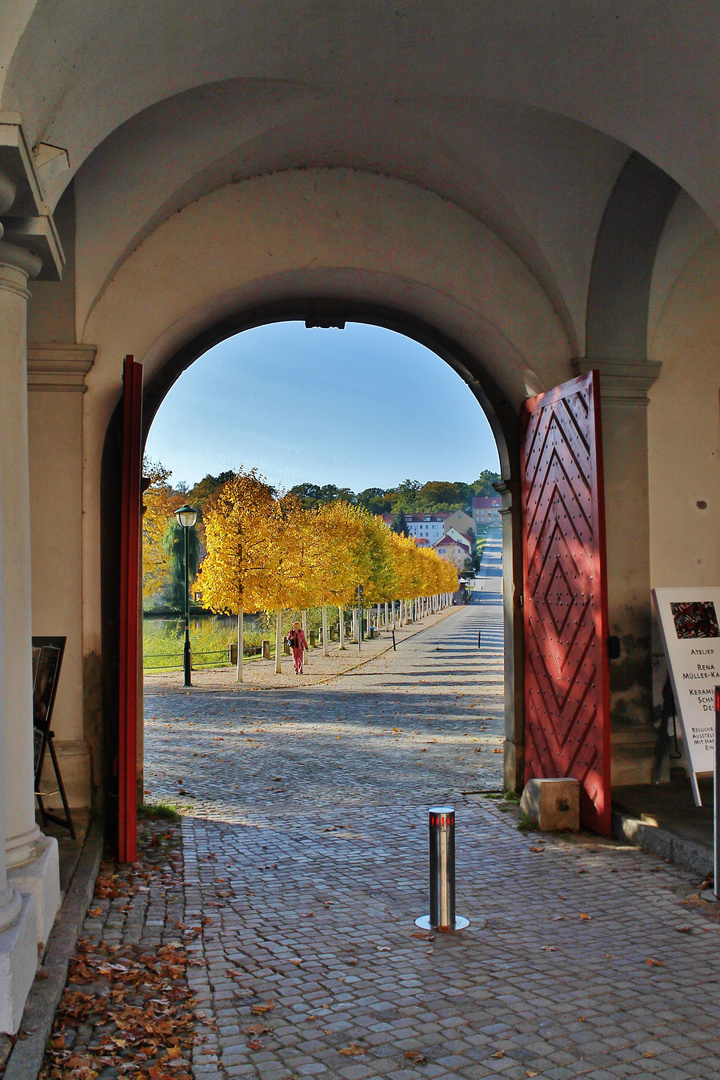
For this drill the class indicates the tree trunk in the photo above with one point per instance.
(303, 617)
(325, 632)
(341, 628)
(278, 642)
(241, 645)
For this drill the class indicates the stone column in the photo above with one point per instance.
(32, 859)
(19, 933)
(624, 385)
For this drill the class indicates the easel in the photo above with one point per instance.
(47, 656)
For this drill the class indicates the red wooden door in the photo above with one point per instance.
(567, 700)
(129, 615)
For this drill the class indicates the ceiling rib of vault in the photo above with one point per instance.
(644, 74)
(540, 181)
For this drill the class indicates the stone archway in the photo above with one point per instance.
(317, 312)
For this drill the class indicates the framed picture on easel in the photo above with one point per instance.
(47, 657)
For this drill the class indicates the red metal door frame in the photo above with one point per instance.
(129, 600)
(567, 692)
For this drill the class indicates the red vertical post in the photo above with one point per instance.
(129, 595)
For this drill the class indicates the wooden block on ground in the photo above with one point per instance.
(553, 804)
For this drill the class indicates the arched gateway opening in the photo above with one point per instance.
(314, 313)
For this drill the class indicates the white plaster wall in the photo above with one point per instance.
(684, 417)
(55, 432)
(312, 233)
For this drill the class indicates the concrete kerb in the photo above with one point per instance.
(26, 1058)
(658, 841)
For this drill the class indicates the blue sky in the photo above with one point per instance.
(360, 407)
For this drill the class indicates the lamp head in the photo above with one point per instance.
(187, 516)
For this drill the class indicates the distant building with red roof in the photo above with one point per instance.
(486, 509)
(454, 550)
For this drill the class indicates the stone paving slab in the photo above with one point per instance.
(305, 847)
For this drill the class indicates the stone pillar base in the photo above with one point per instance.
(40, 877)
(18, 963)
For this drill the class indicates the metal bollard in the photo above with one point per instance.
(442, 873)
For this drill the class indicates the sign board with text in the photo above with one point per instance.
(690, 626)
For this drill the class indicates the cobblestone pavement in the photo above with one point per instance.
(305, 843)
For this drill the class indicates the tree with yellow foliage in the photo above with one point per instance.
(239, 535)
(159, 501)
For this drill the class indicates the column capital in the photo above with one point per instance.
(507, 489)
(623, 383)
(17, 264)
(26, 219)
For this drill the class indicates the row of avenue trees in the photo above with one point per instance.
(269, 552)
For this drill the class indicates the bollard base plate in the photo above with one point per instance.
(424, 923)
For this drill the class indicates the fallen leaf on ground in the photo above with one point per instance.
(529, 1072)
(424, 935)
(255, 1045)
(352, 1050)
(684, 929)
(258, 1010)
(654, 963)
(416, 1056)
(500, 1053)
(549, 948)
(584, 915)
(648, 1053)
(257, 1029)
(538, 850)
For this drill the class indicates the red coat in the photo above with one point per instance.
(296, 640)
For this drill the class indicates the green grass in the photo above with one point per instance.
(164, 811)
(526, 824)
(163, 643)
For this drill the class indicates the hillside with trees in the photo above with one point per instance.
(408, 497)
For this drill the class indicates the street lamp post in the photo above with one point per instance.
(187, 517)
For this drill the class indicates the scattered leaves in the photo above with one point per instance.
(257, 1029)
(260, 1008)
(353, 1050)
(128, 1007)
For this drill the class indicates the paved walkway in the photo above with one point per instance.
(305, 851)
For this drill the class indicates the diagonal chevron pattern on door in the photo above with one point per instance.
(567, 726)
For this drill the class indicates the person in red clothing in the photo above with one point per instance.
(298, 643)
